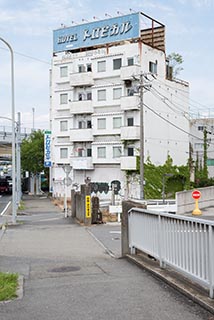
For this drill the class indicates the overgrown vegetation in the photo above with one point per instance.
(8, 286)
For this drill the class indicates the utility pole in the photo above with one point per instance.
(18, 158)
(144, 83)
(141, 83)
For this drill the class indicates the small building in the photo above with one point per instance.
(112, 91)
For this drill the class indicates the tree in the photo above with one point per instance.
(175, 60)
(32, 152)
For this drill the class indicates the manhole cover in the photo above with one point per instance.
(65, 269)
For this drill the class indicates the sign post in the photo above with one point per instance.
(196, 194)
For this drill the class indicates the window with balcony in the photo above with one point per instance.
(81, 68)
(117, 63)
(101, 95)
(201, 128)
(89, 126)
(117, 122)
(63, 71)
(63, 98)
(89, 67)
(130, 122)
(101, 152)
(80, 152)
(117, 152)
(63, 125)
(89, 96)
(101, 123)
(63, 153)
(81, 124)
(101, 66)
(130, 151)
(130, 61)
(117, 92)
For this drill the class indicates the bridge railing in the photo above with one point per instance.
(183, 243)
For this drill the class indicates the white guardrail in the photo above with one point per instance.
(183, 243)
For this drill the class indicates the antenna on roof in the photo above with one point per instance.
(96, 18)
(84, 20)
(122, 14)
(63, 25)
(73, 22)
(131, 10)
(108, 15)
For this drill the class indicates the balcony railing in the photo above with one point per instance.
(83, 106)
(130, 133)
(77, 135)
(128, 163)
(82, 163)
(127, 73)
(129, 102)
(81, 79)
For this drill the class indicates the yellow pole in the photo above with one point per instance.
(196, 211)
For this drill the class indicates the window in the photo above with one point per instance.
(153, 67)
(130, 61)
(101, 123)
(101, 66)
(63, 125)
(101, 152)
(210, 162)
(117, 152)
(117, 63)
(89, 67)
(130, 92)
(117, 92)
(81, 68)
(80, 96)
(89, 124)
(89, 152)
(63, 153)
(130, 122)
(89, 96)
(81, 125)
(117, 122)
(130, 151)
(63, 71)
(101, 95)
(80, 152)
(63, 98)
(200, 128)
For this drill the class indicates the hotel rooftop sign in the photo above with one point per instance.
(97, 33)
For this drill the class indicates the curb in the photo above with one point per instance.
(188, 288)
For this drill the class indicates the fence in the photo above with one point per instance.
(183, 243)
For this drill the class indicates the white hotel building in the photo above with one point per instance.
(96, 103)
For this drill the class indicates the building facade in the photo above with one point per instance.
(110, 86)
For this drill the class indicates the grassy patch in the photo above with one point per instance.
(21, 205)
(8, 286)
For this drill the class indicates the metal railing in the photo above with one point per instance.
(183, 243)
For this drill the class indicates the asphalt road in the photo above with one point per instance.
(4, 199)
(68, 274)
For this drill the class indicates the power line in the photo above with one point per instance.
(27, 56)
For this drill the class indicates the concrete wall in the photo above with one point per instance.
(126, 206)
(78, 208)
(185, 202)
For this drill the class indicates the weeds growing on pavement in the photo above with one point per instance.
(8, 286)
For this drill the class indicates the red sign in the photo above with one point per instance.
(196, 194)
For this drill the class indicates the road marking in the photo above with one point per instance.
(2, 213)
(119, 232)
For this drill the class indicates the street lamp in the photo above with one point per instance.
(163, 184)
(13, 134)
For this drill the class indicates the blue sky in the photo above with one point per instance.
(28, 27)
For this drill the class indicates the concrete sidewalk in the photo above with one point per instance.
(68, 275)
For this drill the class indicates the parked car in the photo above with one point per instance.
(4, 186)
